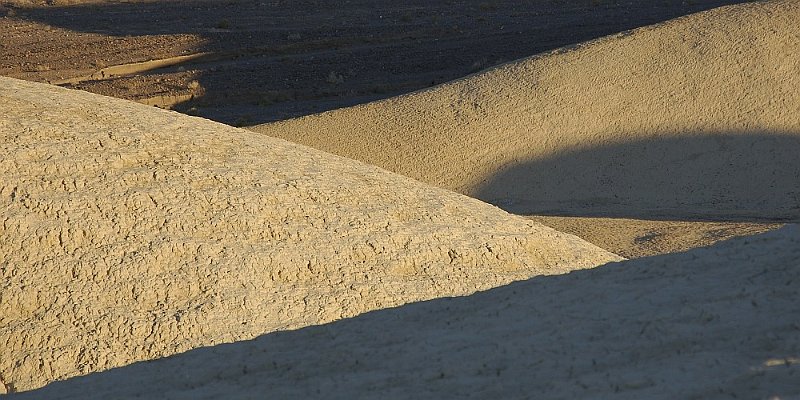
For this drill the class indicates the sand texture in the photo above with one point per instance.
(634, 238)
(130, 233)
(694, 117)
(712, 323)
(245, 62)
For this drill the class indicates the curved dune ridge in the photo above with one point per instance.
(697, 116)
(129, 233)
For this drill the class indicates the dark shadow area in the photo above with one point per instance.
(273, 60)
(752, 176)
(718, 322)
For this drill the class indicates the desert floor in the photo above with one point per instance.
(260, 61)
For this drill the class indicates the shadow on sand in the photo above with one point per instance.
(274, 60)
(718, 322)
(733, 176)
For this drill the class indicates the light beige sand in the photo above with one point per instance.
(634, 238)
(694, 117)
(129, 233)
(714, 323)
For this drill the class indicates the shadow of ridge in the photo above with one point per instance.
(714, 176)
(708, 323)
(285, 59)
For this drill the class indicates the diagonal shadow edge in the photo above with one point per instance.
(707, 323)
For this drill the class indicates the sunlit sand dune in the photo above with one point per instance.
(712, 323)
(130, 233)
(697, 116)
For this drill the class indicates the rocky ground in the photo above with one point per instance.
(261, 61)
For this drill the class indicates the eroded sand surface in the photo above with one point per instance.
(130, 233)
(695, 117)
(713, 323)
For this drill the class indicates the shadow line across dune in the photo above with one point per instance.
(720, 175)
(707, 323)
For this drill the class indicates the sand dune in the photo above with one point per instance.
(712, 323)
(130, 233)
(697, 116)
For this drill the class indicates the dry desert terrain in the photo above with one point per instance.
(495, 199)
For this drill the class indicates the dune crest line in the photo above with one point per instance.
(517, 135)
(141, 233)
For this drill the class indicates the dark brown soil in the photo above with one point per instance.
(271, 60)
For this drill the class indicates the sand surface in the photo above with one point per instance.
(714, 323)
(634, 238)
(695, 117)
(130, 236)
(275, 60)
(130, 233)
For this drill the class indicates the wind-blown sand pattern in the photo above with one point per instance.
(130, 233)
(713, 323)
(694, 117)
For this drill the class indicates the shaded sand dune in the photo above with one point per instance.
(731, 175)
(130, 233)
(272, 60)
(713, 323)
(698, 115)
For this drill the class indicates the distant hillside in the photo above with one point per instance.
(697, 116)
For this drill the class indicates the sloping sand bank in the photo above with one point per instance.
(697, 116)
(713, 323)
(130, 233)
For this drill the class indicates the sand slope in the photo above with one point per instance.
(713, 323)
(695, 116)
(635, 238)
(130, 233)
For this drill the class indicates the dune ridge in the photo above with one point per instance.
(129, 233)
(606, 127)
